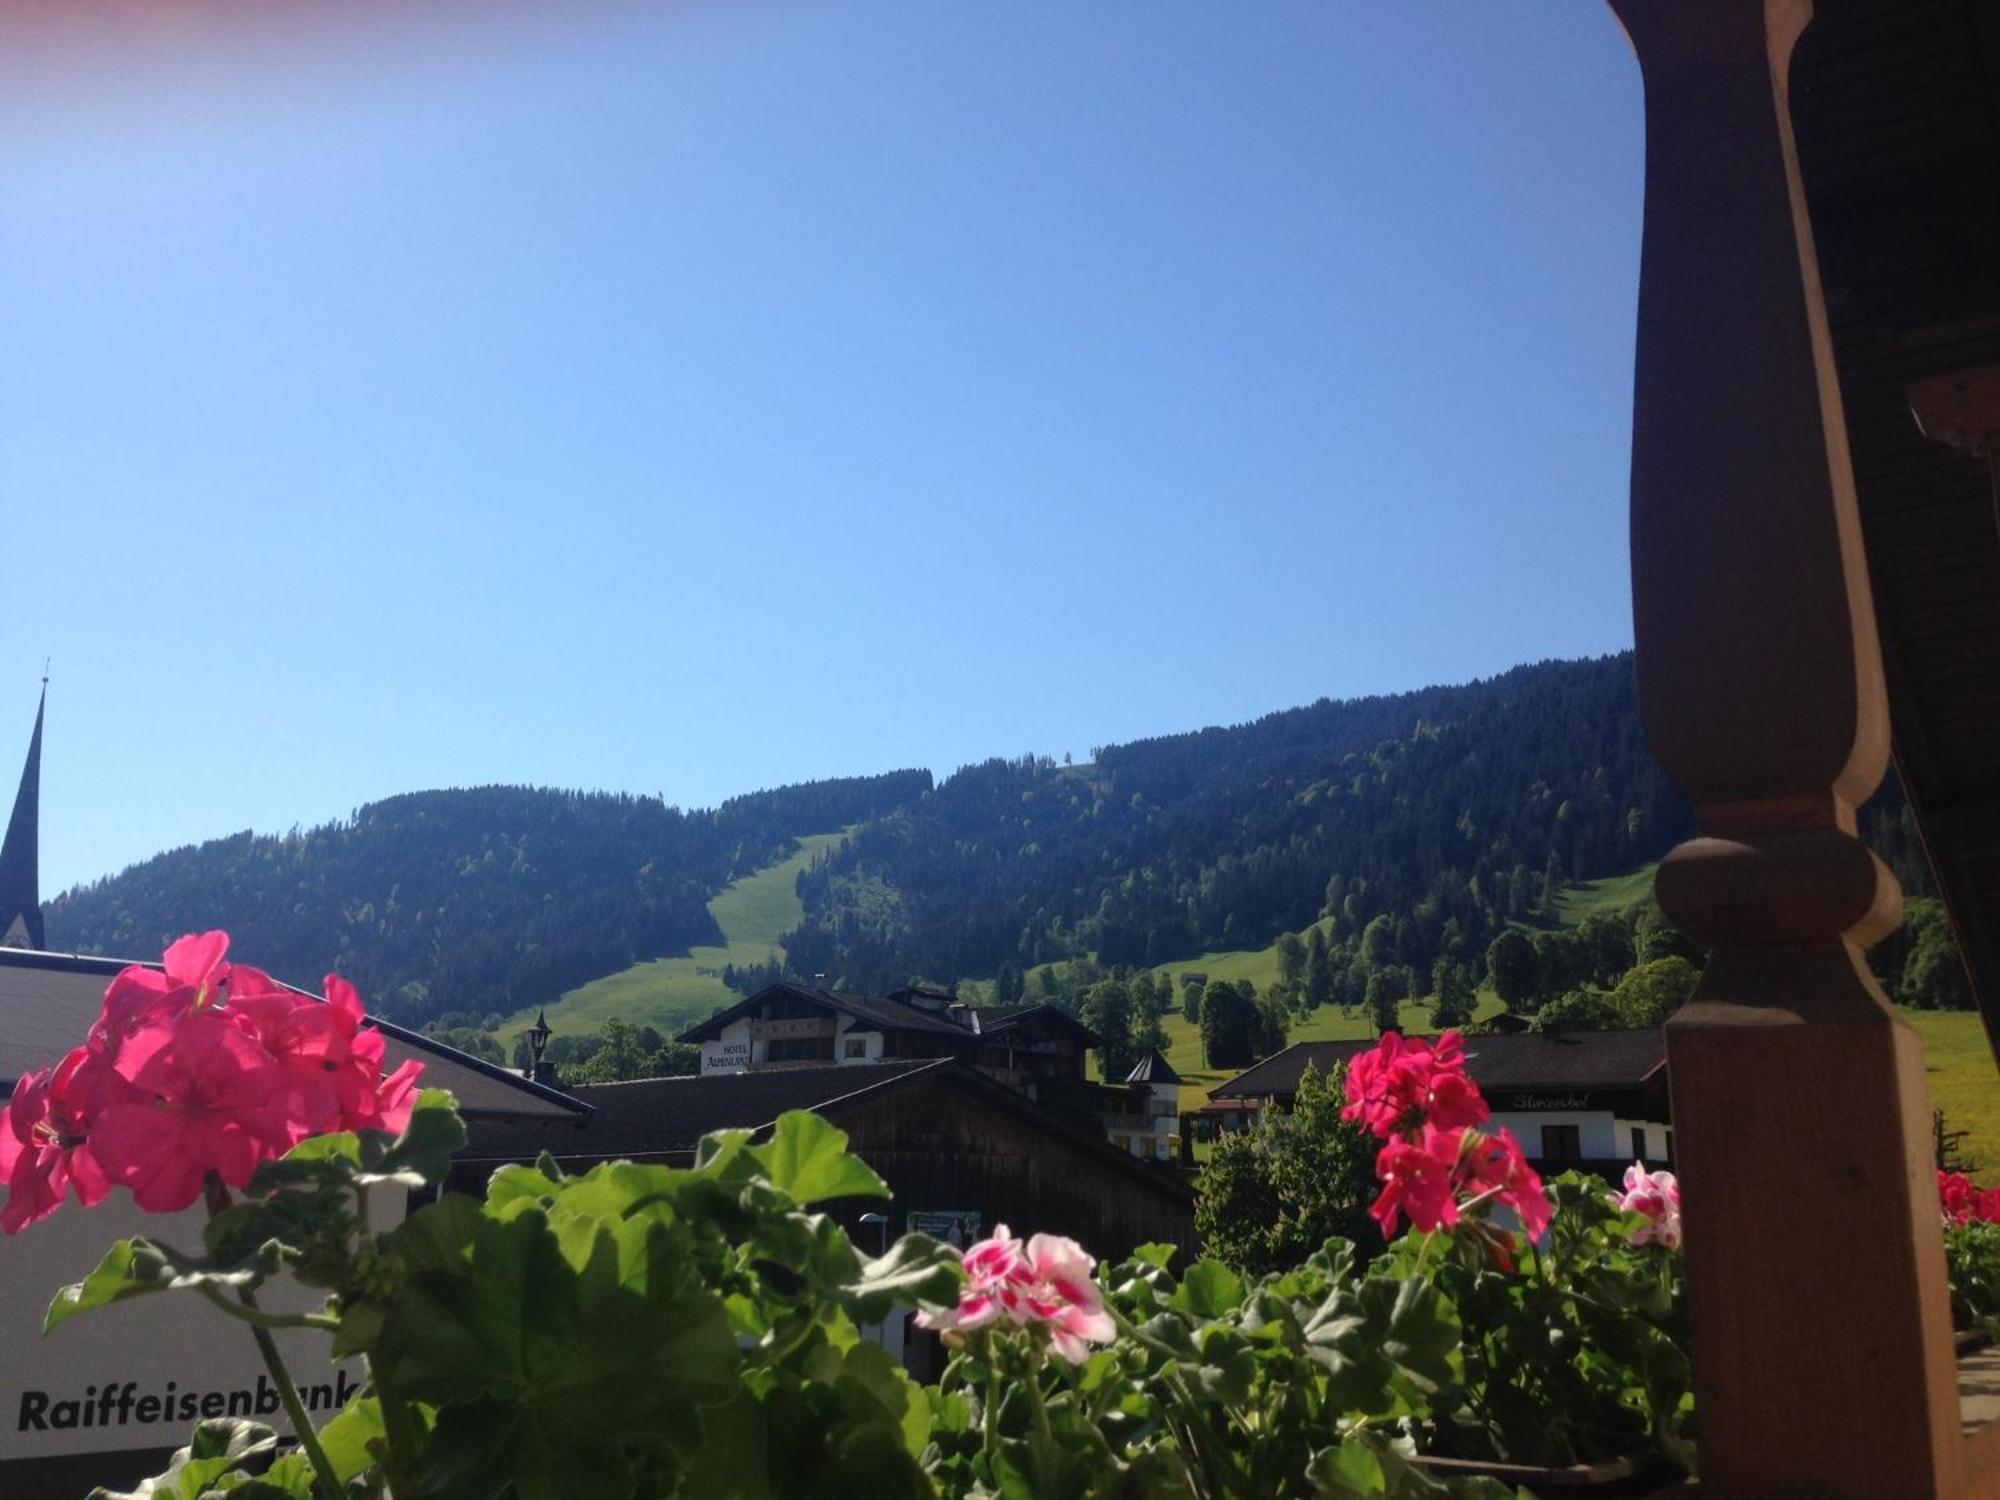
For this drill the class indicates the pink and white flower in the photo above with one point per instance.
(1656, 1195)
(1049, 1281)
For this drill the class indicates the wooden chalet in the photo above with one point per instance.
(1816, 577)
(950, 1141)
(795, 1025)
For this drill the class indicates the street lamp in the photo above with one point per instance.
(538, 1041)
(882, 1235)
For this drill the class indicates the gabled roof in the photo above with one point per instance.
(1152, 1068)
(1518, 1060)
(48, 1000)
(886, 1013)
(875, 1011)
(992, 1020)
(653, 1117)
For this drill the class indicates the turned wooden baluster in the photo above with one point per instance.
(1822, 1330)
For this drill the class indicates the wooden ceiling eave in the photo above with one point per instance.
(1894, 112)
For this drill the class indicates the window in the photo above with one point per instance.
(855, 1046)
(1639, 1143)
(1562, 1143)
(799, 1049)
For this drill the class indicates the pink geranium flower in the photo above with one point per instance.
(1404, 1084)
(1418, 1181)
(214, 1100)
(199, 1066)
(1494, 1164)
(1656, 1195)
(192, 975)
(45, 1146)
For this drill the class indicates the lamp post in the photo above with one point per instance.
(538, 1041)
(882, 1232)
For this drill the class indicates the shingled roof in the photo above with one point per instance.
(1520, 1060)
(661, 1116)
(48, 1000)
(655, 1117)
(874, 1009)
(888, 1013)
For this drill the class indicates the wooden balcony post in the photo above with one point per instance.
(1802, 1122)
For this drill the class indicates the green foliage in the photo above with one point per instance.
(1107, 1010)
(1319, 971)
(1513, 970)
(1579, 1355)
(1933, 975)
(1152, 1003)
(1456, 998)
(1382, 999)
(1577, 1010)
(1654, 991)
(1231, 1025)
(621, 1051)
(1972, 1259)
(1271, 1195)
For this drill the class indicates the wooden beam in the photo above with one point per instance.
(1822, 1334)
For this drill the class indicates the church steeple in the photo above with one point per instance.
(20, 892)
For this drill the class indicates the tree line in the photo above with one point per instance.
(480, 901)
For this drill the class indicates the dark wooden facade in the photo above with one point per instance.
(940, 1148)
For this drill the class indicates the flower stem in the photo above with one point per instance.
(215, 1194)
(257, 1318)
(326, 1480)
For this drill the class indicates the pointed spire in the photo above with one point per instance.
(20, 893)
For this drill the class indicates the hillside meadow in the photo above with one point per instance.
(754, 914)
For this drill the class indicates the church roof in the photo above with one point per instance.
(20, 891)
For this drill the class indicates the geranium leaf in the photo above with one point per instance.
(808, 1158)
(426, 1146)
(916, 1269)
(1209, 1290)
(136, 1267)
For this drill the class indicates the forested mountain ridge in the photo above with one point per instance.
(482, 900)
(1418, 824)
(1450, 811)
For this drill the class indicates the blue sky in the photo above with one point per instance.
(688, 399)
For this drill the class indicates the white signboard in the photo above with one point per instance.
(141, 1373)
(725, 1057)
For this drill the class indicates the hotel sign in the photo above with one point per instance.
(1532, 1103)
(725, 1057)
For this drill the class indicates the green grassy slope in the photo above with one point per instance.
(671, 993)
(1260, 967)
(1614, 893)
(1964, 1082)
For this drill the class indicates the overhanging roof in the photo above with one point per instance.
(1896, 108)
(655, 1117)
(1592, 1061)
(48, 1000)
(871, 1009)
